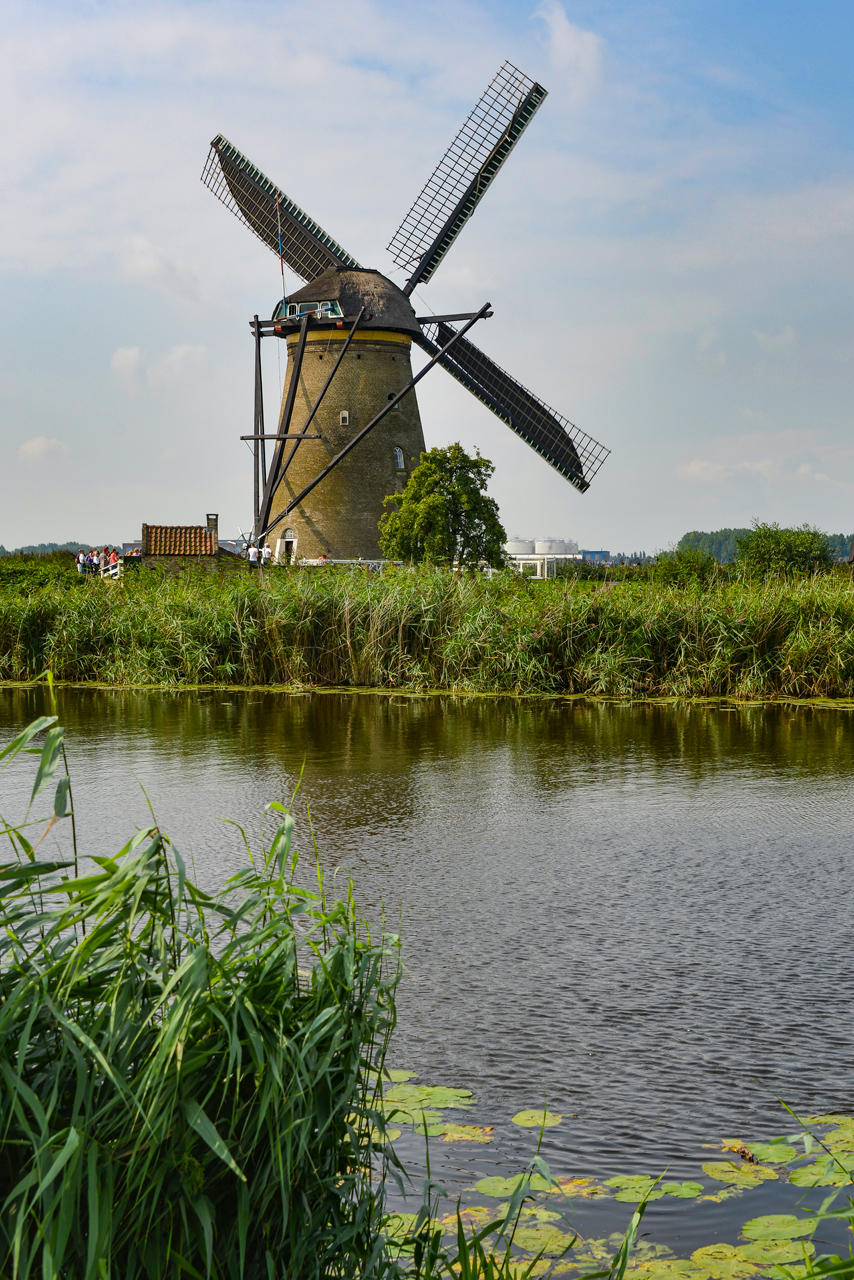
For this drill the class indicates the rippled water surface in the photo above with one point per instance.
(640, 915)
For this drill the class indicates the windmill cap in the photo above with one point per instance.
(387, 305)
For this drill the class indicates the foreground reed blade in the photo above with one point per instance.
(187, 1087)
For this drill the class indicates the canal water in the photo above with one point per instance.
(638, 915)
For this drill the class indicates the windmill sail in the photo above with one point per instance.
(461, 178)
(576, 455)
(270, 214)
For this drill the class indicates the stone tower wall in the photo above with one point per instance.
(339, 517)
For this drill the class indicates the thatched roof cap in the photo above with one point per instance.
(389, 306)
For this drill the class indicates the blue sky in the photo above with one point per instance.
(668, 251)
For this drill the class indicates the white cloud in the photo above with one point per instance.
(775, 341)
(144, 263)
(572, 50)
(179, 363)
(125, 364)
(39, 447)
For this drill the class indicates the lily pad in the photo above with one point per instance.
(723, 1262)
(772, 1252)
(412, 1115)
(473, 1215)
(378, 1136)
(726, 1193)
(772, 1152)
(778, 1226)
(824, 1173)
(543, 1238)
(432, 1096)
(632, 1188)
(534, 1119)
(499, 1188)
(739, 1175)
(465, 1133)
(586, 1188)
(397, 1226)
(529, 1213)
(682, 1190)
(667, 1269)
(398, 1076)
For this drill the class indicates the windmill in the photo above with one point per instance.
(349, 385)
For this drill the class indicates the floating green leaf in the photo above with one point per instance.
(587, 1188)
(723, 1262)
(828, 1172)
(499, 1188)
(534, 1119)
(633, 1188)
(397, 1075)
(666, 1269)
(772, 1252)
(421, 1096)
(529, 1213)
(465, 1133)
(778, 1226)
(542, 1238)
(378, 1137)
(772, 1152)
(740, 1175)
(682, 1190)
(473, 1215)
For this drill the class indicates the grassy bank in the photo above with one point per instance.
(433, 630)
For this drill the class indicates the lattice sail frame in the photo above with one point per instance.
(461, 178)
(571, 451)
(252, 197)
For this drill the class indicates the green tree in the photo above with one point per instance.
(720, 543)
(684, 565)
(767, 549)
(444, 515)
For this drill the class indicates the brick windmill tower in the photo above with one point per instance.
(349, 430)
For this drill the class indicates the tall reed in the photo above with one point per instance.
(422, 630)
(188, 1083)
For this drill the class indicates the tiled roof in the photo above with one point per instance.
(178, 540)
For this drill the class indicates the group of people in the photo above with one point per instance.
(96, 561)
(259, 555)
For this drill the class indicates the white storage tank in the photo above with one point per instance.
(519, 547)
(550, 547)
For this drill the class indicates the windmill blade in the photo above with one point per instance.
(576, 455)
(459, 181)
(271, 215)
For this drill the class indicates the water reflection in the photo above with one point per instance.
(637, 913)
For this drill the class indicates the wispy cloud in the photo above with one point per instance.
(572, 50)
(38, 448)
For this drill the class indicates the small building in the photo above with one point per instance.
(596, 557)
(174, 546)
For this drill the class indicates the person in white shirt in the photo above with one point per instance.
(252, 554)
(266, 553)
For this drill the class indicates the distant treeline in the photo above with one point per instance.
(42, 548)
(722, 543)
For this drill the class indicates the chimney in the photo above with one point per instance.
(213, 527)
(144, 540)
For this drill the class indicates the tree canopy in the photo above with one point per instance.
(768, 549)
(444, 515)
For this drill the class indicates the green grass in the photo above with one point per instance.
(434, 630)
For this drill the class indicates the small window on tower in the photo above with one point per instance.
(399, 462)
(344, 419)
(391, 396)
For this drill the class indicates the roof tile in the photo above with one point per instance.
(178, 540)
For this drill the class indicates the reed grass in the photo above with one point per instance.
(188, 1083)
(435, 630)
